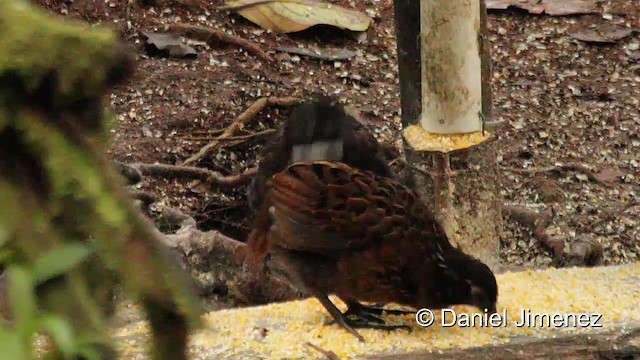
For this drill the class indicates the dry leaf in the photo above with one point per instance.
(284, 16)
(167, 44)
(602, 34)
(550, 7)
(318, 53)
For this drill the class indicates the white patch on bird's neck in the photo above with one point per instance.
(328, 150)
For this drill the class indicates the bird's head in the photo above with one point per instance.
(463, 279)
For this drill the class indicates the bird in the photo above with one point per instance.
(319, 129)
(338, 230)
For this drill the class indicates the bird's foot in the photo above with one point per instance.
(352, 320)
(356, 319)
(364, 323)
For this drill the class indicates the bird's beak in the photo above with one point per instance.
(480, 300)
(491, 309)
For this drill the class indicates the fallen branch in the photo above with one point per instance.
(612, 214)
(537, 223)
(247, 115)
(218, 265)
(212, 178)
(212, 36)
(565, 167)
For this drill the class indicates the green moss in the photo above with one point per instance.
(33, 43)
(74, 171)
(56, 184)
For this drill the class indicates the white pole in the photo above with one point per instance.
(451, 66)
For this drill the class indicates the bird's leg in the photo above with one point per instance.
(338, 316)
(361, 320)
(356, 308)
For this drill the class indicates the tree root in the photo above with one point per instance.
(218, 264)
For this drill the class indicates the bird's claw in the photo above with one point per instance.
(357, 319)
(360, 323)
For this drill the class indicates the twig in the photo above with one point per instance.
(590, 175)
(240, 138)
(208, 132)
(537, 223)
(565, 167)
(328, 353)
(211, 35)
(190, 172)
(247, 115)
(612, 214)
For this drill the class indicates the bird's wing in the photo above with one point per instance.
(324, 207)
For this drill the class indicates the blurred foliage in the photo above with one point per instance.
(69, 234)
(17, 337)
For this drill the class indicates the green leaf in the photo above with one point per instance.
(4, 236)
(87, 347)
(6, 256)
(59, 261)
(61, 332)
(88, 353)
(11, 345)
(22, 299)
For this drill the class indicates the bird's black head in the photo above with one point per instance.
(322, 119)
(463, 279)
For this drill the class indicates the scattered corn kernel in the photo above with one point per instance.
(282, 330)
(422, 140)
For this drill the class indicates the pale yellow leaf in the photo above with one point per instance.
(284, 16)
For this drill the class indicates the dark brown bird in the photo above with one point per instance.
(334, 229)
(318, 130)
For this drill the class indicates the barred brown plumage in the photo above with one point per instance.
(334, 229)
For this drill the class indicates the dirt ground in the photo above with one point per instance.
(562, 101)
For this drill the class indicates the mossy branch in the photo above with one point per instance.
(57, 187)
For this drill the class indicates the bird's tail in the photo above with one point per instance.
(257, 244)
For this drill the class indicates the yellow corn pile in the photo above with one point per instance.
(422, 140)
(283, 330)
